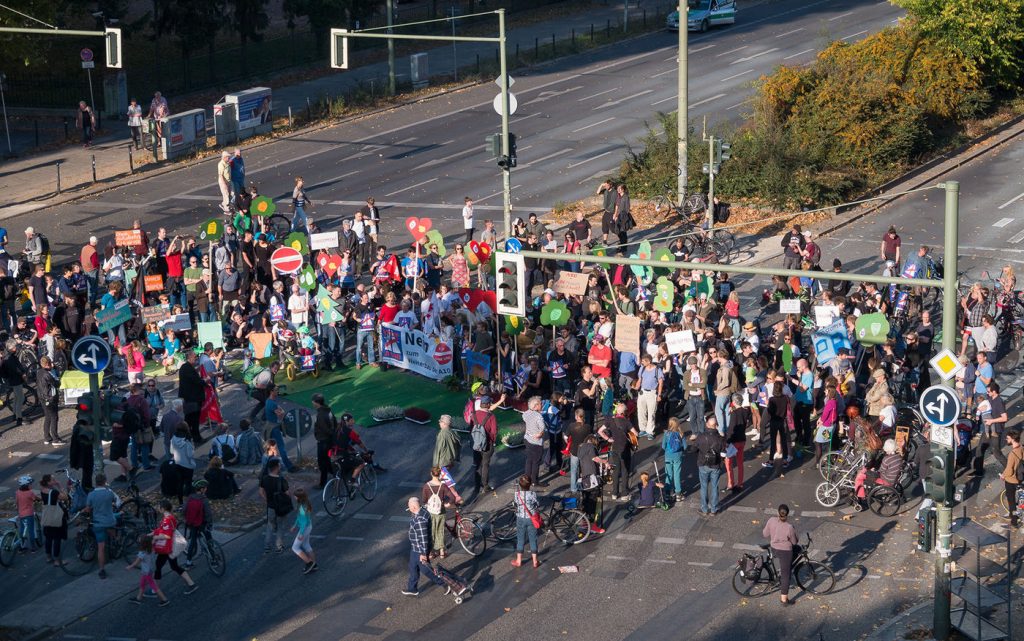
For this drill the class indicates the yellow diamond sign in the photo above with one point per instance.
(946, 364)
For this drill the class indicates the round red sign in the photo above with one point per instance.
(286, 260)
(443, 354)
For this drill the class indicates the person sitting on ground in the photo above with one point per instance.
(249, 444)
(646, 490)
(222, 483)
(224, 446)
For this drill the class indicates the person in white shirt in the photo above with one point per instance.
(298, 306)
(467, 218)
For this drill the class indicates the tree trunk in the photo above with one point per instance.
(245, 57)
(210, 60)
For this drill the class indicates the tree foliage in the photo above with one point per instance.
(323, 15)
(193, 23)
(248, 19)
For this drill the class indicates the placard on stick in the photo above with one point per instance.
(571, 283)
(681, 342)
(627, 334)
(128, 237)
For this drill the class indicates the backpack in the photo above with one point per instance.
(131, 421)
(280, 502)
(434, 504)
(44, 243)
(673, 443)
(478, 437)
(468, 411)
(711, 458)
(194, 512)
(722, 212)
(227, 452)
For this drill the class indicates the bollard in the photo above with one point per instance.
(131, 160)
(536, 49)
(58, 175)
(35, 125)
(308, 110)
(94, 167)
(67, 135)
(289, 116)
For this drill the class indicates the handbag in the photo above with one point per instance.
(52, 516)
(179, 544)
(538, 522)
(731, 451)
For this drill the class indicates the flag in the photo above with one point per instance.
(446, 477)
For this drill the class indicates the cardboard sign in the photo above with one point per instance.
(825, 314)
(478, 365)
(177, 322)
(211, 332)
(128, 238)
(155, 314)
(324, 240)
(627, 334)
(261, 344)
(154, 283)
(571, 283)
(115, 316)
(789, 306)
(680, 342)
(829, 340)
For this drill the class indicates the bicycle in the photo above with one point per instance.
(340, 489)
(80, 551)
(569, 525)
(466, 531)
(208, 547)
(756, 575)
(829, 491)
(12, 541)
(138, 508)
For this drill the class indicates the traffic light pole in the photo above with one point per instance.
(97, 417)
(506, 173)
(682, 115)
(710, 216)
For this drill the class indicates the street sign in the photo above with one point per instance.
(513, 104)
(88, 64)
(90, 354)
(86, 55)
(942, 436)
(513, 246)
(940, 405)
(297, 421)
(498, 81)
(946, 364)
(286, 260)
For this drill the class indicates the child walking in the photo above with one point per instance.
(145, 560)
(26, 498)
(304, 528)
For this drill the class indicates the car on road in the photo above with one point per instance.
(704, 14)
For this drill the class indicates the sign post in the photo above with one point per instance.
(297, 422)
(88, 64)
(91, 355)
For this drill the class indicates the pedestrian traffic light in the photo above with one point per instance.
(84, 414)
(494, 145)
(511, 275)
(940, 477)
(113, 38)
(926, 529)
(512, 149)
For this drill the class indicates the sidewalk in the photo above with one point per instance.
(29, 183)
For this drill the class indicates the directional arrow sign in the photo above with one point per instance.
(90, 354)
(940, 405)
(513, 104)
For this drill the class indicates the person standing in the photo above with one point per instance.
(299, 203)
(726, 384)
(467, 218)
(527, 506)
(90, 260)
(437, 497)
(324, 428)
(1011, 475)
(803, 395)
(303, 529)
(890, 248)
(739, 420)
(649, 383)
(674, 446)
(419, 548)
(534, 438)
(54, 518)
(272, 485)
(192, 390)
(85, 120)
(183, 454)
(793, 244)
(615, 431)
(100, 505)
(224, 180)
(482, 457)
(14, 375)
(237, 174)
(46, 391)
(695, 381)
(158, 110)
(447, 444)
(782, 537)
(778, 407)
(710, 450)
(622, 220)
(578, 431)
(135, 122)
(607, 191)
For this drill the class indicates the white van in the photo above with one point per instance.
(704, 14)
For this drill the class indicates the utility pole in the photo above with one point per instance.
(3, 103)
(710, 215)
(682, 117)
(391, 48)
(455, 53)
(506, 173)
(944, 512)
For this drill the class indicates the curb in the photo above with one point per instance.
(895, 621)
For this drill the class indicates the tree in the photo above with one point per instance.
(323, 15)
(989, 33)
(194, 23)
(248, 19)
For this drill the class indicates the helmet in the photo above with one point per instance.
(200, 484)
(25, 480)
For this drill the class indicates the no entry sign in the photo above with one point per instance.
(286, 260)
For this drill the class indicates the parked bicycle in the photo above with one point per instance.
(756, 576)
(340, 489)
(80, 551)
(208, 547)
(13, 540)
(466, 530)
(138, 508)
(568, 524)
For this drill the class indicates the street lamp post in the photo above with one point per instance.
(506, 173)
(682, 117)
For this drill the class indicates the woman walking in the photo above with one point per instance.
(163, 545)
(54, 519)
(527, 508)
(674, 446)
(437, 497)
(778, 408)
(303, 528)
(782, 537)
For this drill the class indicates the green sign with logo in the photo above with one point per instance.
(872, 329)
(211, 230)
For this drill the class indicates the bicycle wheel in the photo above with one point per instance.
(115, 542)
(752, 587)
(215, 558)
(368, 482)
(78, 554)
(721, 250)
(8, 549)
(278, 227)
(827, 494)
(570, 526)
(815, 577)
(471, 536)
(335, 497)
(663, 203)
(885, 501)
(832, 463)
(503, 524)
(141, 511)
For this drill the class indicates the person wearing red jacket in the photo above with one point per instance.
(482, 459)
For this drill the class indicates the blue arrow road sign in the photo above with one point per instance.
(940, 405)
(90, 354)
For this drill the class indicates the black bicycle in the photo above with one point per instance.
(341, 488)
(568, 524)
(756, 575)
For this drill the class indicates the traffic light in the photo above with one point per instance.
(339, 49)
(84, 414)
(494, 145)
(926, 530)
(113, 39)
(512, 149)
(940, 478)
(511, 277)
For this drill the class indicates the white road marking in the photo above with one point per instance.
(874, 576)
(707, 100)
(799, 53)
(907, 579)
(738, 104)
(756, 55)
(542, 159)
(670, 540)
(612, 103)
(348, 538)
(664, 73)
(402, 142)
(597, 94)
(1002, 222)
(599, 122)
(1016, 238)
(817, 514)
(450, 157)
(783, 35)
(618, 558)
(697, 50)
(318, 536)
(747, 547)
(842, 15)
(367, 517)
(480, 200)
(726, 53)
(1011, 201)
(709, 544)
(630, 537)
(698, 564)
(20, 454)
(742, 508)
(658, 102)
(50, 457)
(577, 164)
(742, 73)
(670, 561)
(854, 35)
(380, 203)
(411, 187)
(547, 95)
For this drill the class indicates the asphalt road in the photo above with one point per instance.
(575, 119)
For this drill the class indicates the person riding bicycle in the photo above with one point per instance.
(347, 449)
(198, 518)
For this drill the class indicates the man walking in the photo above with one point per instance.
(482, 457)
(1012, 473)
(224, 180)
(46, 390)
(419, 547)
(710, 447)
(793, 244)
(649, 382)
